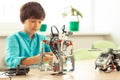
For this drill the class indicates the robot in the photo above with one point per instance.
(61, 47)
(108, 61)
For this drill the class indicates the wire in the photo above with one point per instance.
(53, 37)
(5, 73)
(63, 29)
(52, 29)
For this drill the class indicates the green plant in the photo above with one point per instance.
(73, 11)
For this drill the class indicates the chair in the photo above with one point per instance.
(103, 44)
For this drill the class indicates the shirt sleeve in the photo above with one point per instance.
(12, 58)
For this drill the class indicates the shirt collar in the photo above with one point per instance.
(25, 35)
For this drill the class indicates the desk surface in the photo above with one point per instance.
(84, 70)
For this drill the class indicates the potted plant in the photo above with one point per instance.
(75, 17)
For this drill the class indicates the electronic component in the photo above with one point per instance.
(59, 44)
(108, 61)
(19, 70)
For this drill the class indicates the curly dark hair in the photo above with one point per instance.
(31, 9)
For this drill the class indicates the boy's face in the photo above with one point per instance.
(32, 25)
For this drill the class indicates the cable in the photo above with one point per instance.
(54, 40)
(5, 73)
(63, 29)
(52, 29)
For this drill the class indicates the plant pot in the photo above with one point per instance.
(43, 28)
(74, 26)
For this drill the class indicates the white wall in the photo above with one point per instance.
(98, 16)
(107, 17)
(9, 13)
(9, 28)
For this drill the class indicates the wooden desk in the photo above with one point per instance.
(85, 70)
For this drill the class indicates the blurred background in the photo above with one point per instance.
(100, 21)
(99, 16)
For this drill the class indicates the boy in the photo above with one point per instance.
(23, 47)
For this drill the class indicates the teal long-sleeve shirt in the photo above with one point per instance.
(19, 46)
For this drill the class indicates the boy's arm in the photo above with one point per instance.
(12, 57)
(35, 59)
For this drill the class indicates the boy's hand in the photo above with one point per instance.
(47, 58)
